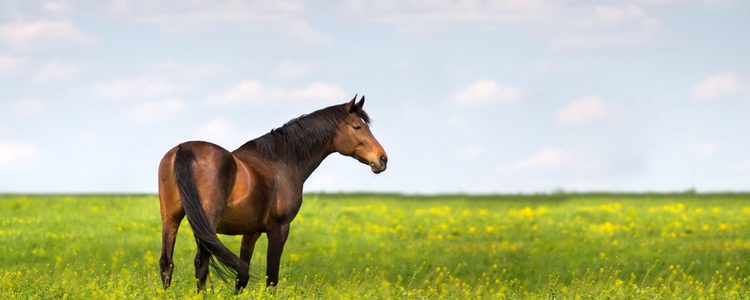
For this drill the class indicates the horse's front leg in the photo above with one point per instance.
(276, 238)
(246, 253)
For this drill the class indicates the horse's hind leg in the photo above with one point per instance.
(201, 267)
(213, 211)
(172, 212)
(246, 253)
(168, 237)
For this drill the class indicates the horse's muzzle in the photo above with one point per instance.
(380, 166)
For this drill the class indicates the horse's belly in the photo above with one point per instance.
(245, 205)
(241, 218)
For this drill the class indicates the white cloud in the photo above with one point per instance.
(421, 15)
(55, 6)
(18, 155)
(660, 2)
(41, 34)
(56, 70)
(28, 108)
(303, 32)
(157, 80)
(615, 15)
(586, 110)
(172, 14)
(155, 111)
(569, 25)
(545, 159)
(288, 17)
(604, 39)
(705, 150)
(472, 151)
(129, 88)
(552, 160)
(319, 91)
(219, 131)
(254, 92)
(722, 85)
(487, 92)
(607, 26)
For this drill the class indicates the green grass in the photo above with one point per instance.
(391, 246)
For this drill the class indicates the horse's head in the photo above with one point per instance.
(354, 138)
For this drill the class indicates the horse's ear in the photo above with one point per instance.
(350, 106)
(361, 102)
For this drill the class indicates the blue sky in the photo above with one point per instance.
(466, 96)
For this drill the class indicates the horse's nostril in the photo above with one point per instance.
(383, 158)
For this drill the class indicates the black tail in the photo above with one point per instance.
(204, 231)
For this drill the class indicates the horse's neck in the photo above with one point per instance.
(298, 169)
(307, 167)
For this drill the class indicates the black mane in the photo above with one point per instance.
(299, 138)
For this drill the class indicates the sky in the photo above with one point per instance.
(466, 96)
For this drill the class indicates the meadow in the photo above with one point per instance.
(393, 246)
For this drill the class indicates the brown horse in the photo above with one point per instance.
(254, 189)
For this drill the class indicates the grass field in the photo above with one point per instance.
(389, 246)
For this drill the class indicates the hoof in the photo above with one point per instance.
(201, 286)
(166, 276)
(241, 283)
(272, 283)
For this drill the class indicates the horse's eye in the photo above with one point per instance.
(356, 126)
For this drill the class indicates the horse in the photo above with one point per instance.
(254, 189)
